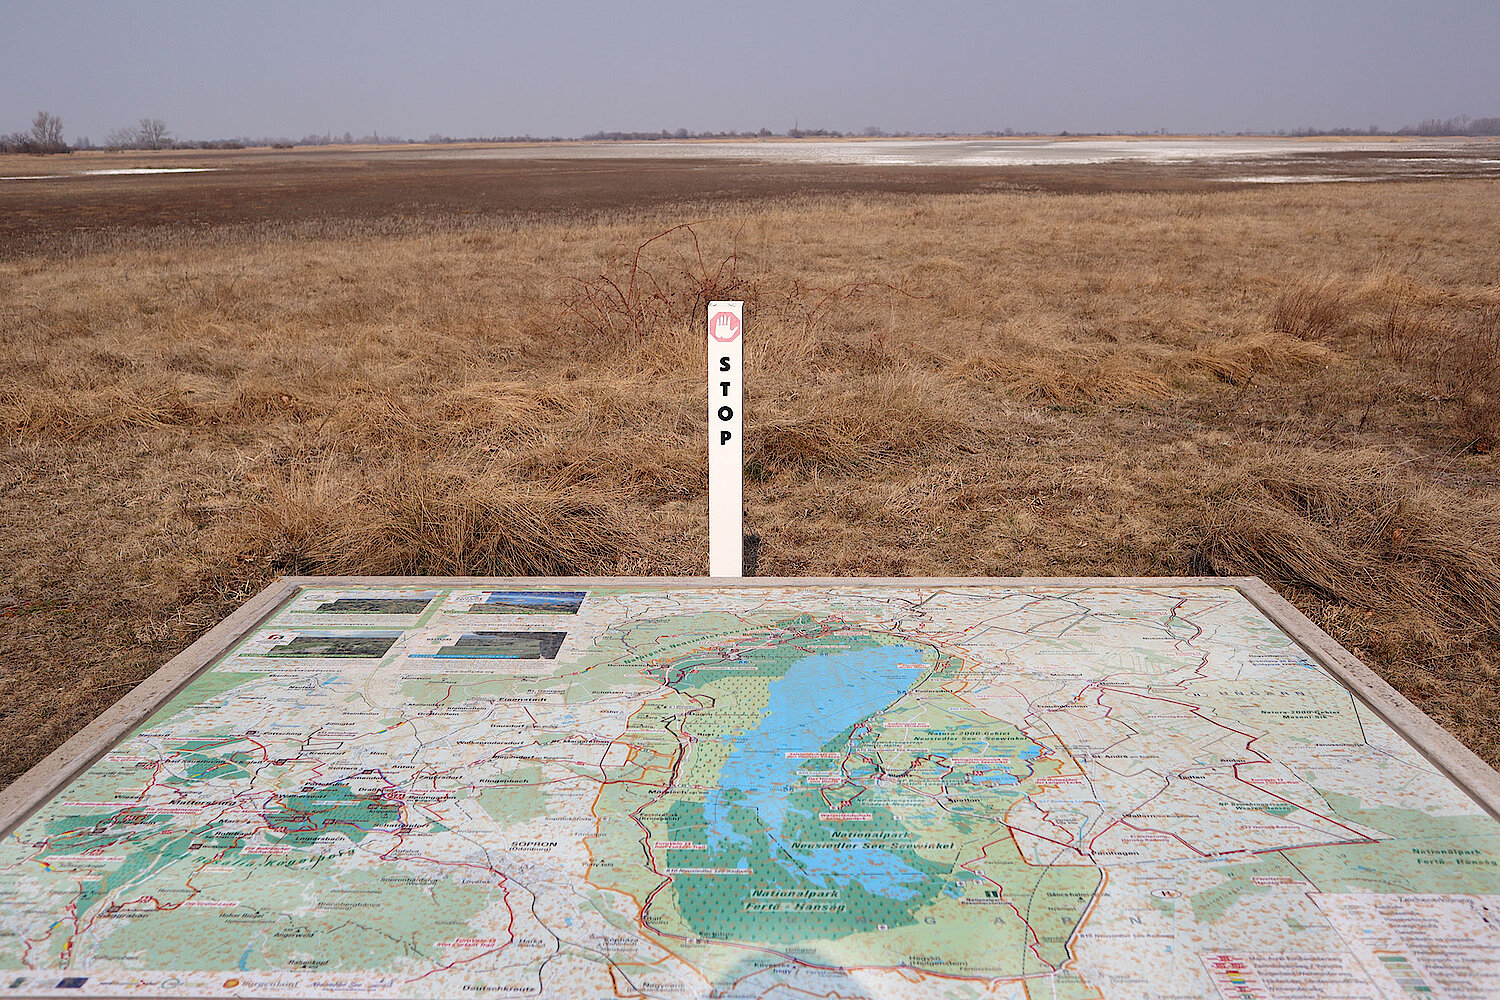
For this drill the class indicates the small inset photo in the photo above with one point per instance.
(483, 645)
(515, 602)
(323, 604)
(322, 643)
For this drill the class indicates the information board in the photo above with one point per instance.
(581, 789)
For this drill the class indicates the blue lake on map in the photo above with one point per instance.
(820, 696)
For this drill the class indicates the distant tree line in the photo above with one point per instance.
(1463, 125)
(148, 133)
(46, 135)
(764, 133)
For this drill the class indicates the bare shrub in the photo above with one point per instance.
(1399, 336)
(636, 293)
(650, 289)
(807, 306)
(1310, 311)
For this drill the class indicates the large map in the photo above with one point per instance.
(872, 791)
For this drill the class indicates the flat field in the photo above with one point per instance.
(363, 363)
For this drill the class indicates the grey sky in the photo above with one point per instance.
(573, 66)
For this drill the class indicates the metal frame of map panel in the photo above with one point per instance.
(49, 777)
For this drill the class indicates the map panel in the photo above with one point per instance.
(667, 791)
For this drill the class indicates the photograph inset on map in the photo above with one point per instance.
(529, 602)
(332, 644)
(412, 605)
(504, 646)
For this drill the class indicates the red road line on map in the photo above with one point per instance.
(1195, 711)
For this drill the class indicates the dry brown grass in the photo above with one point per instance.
(414, 521)
(969, 384)
(1310, 311)
(1471, 366)
(1389, 561)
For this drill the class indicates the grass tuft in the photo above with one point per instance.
(644, 288)
(1472, 363)
(1310, 311)
(1351, 528)
(413, 521)
(869, 422)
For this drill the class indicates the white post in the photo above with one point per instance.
(726, 446)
